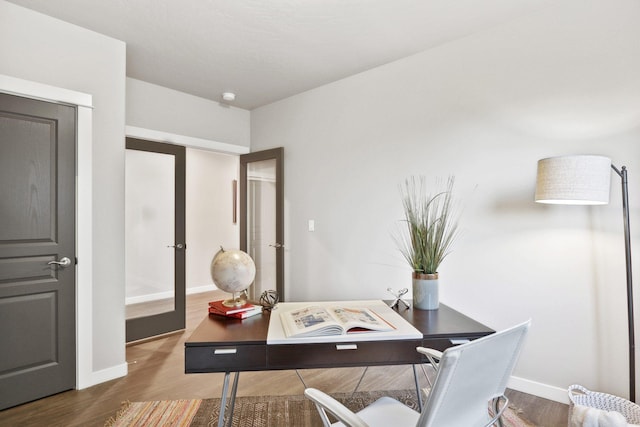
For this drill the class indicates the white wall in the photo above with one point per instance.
(45, 50)
(485, 109)
(155, 107)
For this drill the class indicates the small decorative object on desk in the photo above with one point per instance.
(269, 299)
(233, 271)
(429, 229)
(242, 312)
(398, 298)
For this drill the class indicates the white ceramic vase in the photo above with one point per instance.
(425, 291)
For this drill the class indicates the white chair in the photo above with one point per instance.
(470, 379)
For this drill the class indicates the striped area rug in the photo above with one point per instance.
(261, 411)
(165, 413)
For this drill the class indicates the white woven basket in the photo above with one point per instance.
(603, 401)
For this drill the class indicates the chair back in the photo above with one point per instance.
(470, 376)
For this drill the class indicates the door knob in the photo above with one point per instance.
(277, 245)
(178, 246)
(64, 262)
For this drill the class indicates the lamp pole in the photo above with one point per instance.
(586, 180)
(622, 173)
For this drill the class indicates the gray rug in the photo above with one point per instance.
(272, 411)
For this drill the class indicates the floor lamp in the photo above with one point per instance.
(585, 180)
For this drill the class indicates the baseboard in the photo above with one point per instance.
(166, 295)
(148, 298)
(539, 389)
(104, 375)
(199, 289)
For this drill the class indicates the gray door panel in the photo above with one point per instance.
(37, 229)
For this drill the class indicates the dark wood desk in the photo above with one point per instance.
(231, 345)
(223, 344)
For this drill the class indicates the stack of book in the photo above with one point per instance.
(240, 312)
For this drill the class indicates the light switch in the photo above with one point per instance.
(312, 225)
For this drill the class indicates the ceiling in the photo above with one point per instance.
(267, 50)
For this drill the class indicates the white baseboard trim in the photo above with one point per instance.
(200, 289)
(104, 375)
(539, 389)
(166, 295)
(148, 297)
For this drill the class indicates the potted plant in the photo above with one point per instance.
(431, 226)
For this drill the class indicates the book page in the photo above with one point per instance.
(309, 321)
(403, 329)
(362, 319)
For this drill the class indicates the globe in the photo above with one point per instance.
(233, 271)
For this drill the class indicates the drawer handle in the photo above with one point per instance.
(225, 351)
(346, 346)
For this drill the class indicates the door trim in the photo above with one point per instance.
(187, 141)
(278, 155)
(43, 92)
(171, 321)
(85, 376)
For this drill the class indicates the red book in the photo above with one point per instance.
(239, 315)
(223, 309)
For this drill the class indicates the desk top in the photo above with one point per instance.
(443, 323)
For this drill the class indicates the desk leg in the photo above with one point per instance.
(366, 368)
(301, 380)
(223, 400)
(232, 404)
(419, 395)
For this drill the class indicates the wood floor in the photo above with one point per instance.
(156, 372)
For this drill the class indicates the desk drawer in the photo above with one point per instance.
(225, 358)
(327, 355)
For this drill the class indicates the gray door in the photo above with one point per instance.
(37, 249)
(155, 238)
(262, 218)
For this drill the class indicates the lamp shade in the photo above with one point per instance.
(574, 180)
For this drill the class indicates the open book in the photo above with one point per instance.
(316, 321)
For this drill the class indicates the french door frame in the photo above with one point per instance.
(156, 324)
(276, 154)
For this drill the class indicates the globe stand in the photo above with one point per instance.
(238, 300)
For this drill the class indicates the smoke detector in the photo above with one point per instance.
(229, 96)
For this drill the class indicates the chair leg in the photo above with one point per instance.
(498, 411)
(426, 374)
(419, 395)
(323, 416)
